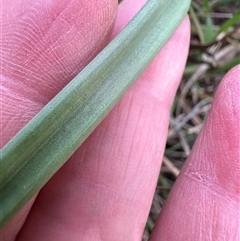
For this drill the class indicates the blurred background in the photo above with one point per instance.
(214, 50)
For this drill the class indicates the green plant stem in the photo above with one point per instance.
(197, 25)
(32, 157)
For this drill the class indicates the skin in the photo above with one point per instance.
(104, 191)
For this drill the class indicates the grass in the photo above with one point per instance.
(214, 49)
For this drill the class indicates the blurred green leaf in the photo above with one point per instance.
(209, 31)
(206, 6)
(197, 24)
(226, 67)
(230, 22)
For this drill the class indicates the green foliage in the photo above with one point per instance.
(206, 30)
(230, 22)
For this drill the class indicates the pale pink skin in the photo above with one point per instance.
(104, 191)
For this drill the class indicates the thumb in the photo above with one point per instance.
(204, 202)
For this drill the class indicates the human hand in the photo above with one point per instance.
(104, 191)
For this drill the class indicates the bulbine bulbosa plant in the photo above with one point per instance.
(32, 157)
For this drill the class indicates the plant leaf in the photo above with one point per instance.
(32, 157)
(209, 33)
(230, 22)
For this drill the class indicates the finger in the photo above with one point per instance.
(104, 191)
(43, 45)
(204, 202)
